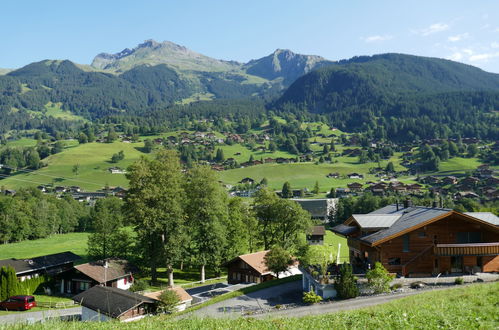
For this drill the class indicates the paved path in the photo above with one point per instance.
(31, 317)
(206, 292)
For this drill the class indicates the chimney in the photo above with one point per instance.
(407, 203)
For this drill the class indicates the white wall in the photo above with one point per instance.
(121, 284)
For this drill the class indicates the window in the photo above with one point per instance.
(468, 237)
(421, 234)
(394, 261)
(405, 243)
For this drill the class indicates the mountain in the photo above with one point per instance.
(405, 90)
(285, 65)
(152, 53)
(4, 71)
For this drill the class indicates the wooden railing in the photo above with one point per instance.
(470, 249)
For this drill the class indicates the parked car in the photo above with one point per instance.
(20, 303)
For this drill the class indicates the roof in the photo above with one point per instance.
(344, 229)
(411, 217)
(376, 220)
(181, 293)
(256, 261)
(316, 207)
(317, 231)
(40, 263)
(485, 216)
(116, 268)
(111, 301)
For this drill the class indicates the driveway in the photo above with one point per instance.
(32, 317)
(206, 292)
(264, 299)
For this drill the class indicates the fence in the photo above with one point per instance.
(57, 305)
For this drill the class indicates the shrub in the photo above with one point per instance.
(459, 281)
(311, 298)
(138, 285)
(346, 285)
(396, 286)
(378, 279)
(168, 301)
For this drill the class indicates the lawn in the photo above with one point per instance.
(468, 307)
(74, 242)
(330, 247)
(93, 160)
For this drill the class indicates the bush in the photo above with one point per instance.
(459, 281)
(168, 301)
(138, 285)
(311, 298)
(396, 286)
(346, 285)
(378, 279)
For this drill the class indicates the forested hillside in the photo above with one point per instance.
(402, 93)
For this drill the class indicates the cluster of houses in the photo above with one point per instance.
(83, 196)
(482, 184)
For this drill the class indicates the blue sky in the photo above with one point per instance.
(78, 30)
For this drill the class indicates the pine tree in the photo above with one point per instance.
(286, 192)
(316, 188)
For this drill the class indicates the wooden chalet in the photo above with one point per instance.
(316, 234)
(50, 265)
(421, 240)
(251, 268)
(101, 303)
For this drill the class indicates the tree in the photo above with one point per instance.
(316, 189)
(110, 238)
(148, 146)
(472, 150)
(82, 138)
(117, 157)
(76, 169)
(346, 285)
(264, 182)
(241, 225)
(281, 221)
(154, 204)
(168, 301)
(111, 135)
(220, 155)
(378, 278)
(278, 260)
(286, 191)
(390, 168)
(206, 209)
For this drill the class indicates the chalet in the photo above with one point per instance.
(51, 265)
(449, 180)
(319, 208)
(334, 175)
(355, 176)
(114, 273)
(492, 181)
(355, 186)
(251, 268)
(465, 194)
(269, 160)
(412, 240)
(185, 299)
(217, 167)
(60, 189)
(485, 173)
(470, 181)
(9, 192)
(414, 188)
(101, 303)
(316, 234)
(343, 192)
(431, 180)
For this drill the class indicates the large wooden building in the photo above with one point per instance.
(419, 241)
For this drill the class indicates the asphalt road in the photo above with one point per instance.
(206, 292)
(32, 317)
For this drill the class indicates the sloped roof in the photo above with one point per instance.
(39, 263)
(344, 229)
(181, 293)
(111, 301)
(116, 268)
(256, 261)
(410, 217)
(376, 220)
(317, 231)
(485, 216)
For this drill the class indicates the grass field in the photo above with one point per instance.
(330, 247)
(93, 160)
(74, 242)
(468, 307)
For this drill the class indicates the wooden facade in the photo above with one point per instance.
(454, 243)
(241, 272)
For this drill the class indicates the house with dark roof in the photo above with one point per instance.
(251, 268)
(50, 265)
(101, 303)
(315, 235)
(411, 240)
(114, 273)
(319, 208)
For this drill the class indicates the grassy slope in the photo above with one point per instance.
(330, 247)
(93, 159)
(469, 307)
(74, 242)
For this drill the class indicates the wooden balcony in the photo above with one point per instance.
(470, 249)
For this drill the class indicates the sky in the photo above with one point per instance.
(464, 31)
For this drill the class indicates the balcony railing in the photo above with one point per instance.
(470, 249)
